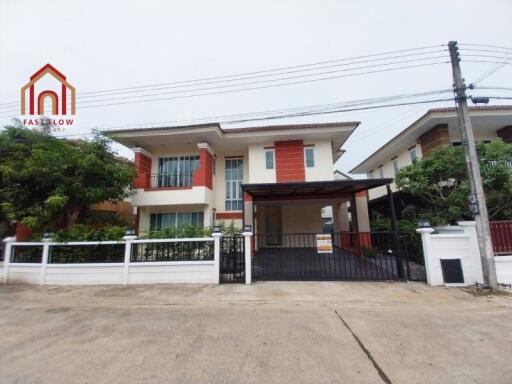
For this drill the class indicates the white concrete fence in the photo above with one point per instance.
(459, 242)
(200, 264)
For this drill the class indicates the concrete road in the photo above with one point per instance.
(264, 333)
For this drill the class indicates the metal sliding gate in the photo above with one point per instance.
(232, 259)
(355, 256)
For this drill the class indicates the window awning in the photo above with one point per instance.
(312, 189)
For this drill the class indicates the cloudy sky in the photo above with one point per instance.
(112, 45)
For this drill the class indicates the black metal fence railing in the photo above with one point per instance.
(355, 256)
(26, 254)
(172, 251)
(86, 253)
(232, 259)
(171, 180)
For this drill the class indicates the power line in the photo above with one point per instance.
(486, 45)
(277, 69)
(262, 87)
(491, 71)
(257, 82)
(295, 109)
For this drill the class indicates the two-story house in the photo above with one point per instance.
(435, 128)
(275, 178)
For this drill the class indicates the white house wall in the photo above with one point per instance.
(323, 169)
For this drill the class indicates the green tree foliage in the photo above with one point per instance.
(440, 180)
(45, 180)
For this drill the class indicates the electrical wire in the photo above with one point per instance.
(261, 87)
(256, 82)
(277, 69)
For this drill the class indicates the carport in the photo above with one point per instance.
(286, 218)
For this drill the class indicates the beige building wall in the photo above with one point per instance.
(258, 172)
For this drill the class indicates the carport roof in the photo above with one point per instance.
(312, 189)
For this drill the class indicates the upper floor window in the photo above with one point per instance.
(381, 171)
(159, 221)
(269, 158)
(395, 165)
(309, 155)
(370, 175)
(175, 171)
(234, 178)
(413, 154)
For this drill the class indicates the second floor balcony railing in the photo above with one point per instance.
(171, 180)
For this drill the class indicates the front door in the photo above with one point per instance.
(273, 225)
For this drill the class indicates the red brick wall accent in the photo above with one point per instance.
(23, 233)
(229, 215)
(505, 134)
(203, 176)
(434, 138)
(290, 161)
(143, 167)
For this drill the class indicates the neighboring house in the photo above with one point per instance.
(435, 128)
(274, 178)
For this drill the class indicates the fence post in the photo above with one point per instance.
(217, 235)
(44, 258)
(128, 238)
(425, 242)
(7, 256)
(248, 254)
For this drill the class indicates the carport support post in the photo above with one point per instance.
(216, 254)
(127, 254)
(7, 256)
(394, 228)
(248, 256)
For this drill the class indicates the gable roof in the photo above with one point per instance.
(420, 126)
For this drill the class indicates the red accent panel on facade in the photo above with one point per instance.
(290, 161)
(228, 215)
(203, 176)
(143, 167)
(247, 197)
(23, 233)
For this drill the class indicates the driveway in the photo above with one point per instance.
(275, 332)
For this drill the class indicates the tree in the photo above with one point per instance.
(45, 180)
(440, 180)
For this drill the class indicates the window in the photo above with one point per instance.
(370, 175)
(414, 155)
(395, 165)
(381, 172)
(309, 154)
(234, 178)
(175, 171)
(269, 159)
(159, 221)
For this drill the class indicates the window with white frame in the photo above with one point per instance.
(381, 171)
(159, 221)
(234, 179)
(370, 175)
(269, 158)
(395, 164)
(413, 154)
(309, 155)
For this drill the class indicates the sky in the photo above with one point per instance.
(103, 45)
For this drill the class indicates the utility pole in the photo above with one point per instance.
(477, 197)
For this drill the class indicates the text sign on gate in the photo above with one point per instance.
(324, 243)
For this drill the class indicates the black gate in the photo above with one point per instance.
(232, 259)
(354, 256)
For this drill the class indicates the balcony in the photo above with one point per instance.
(171, 180)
